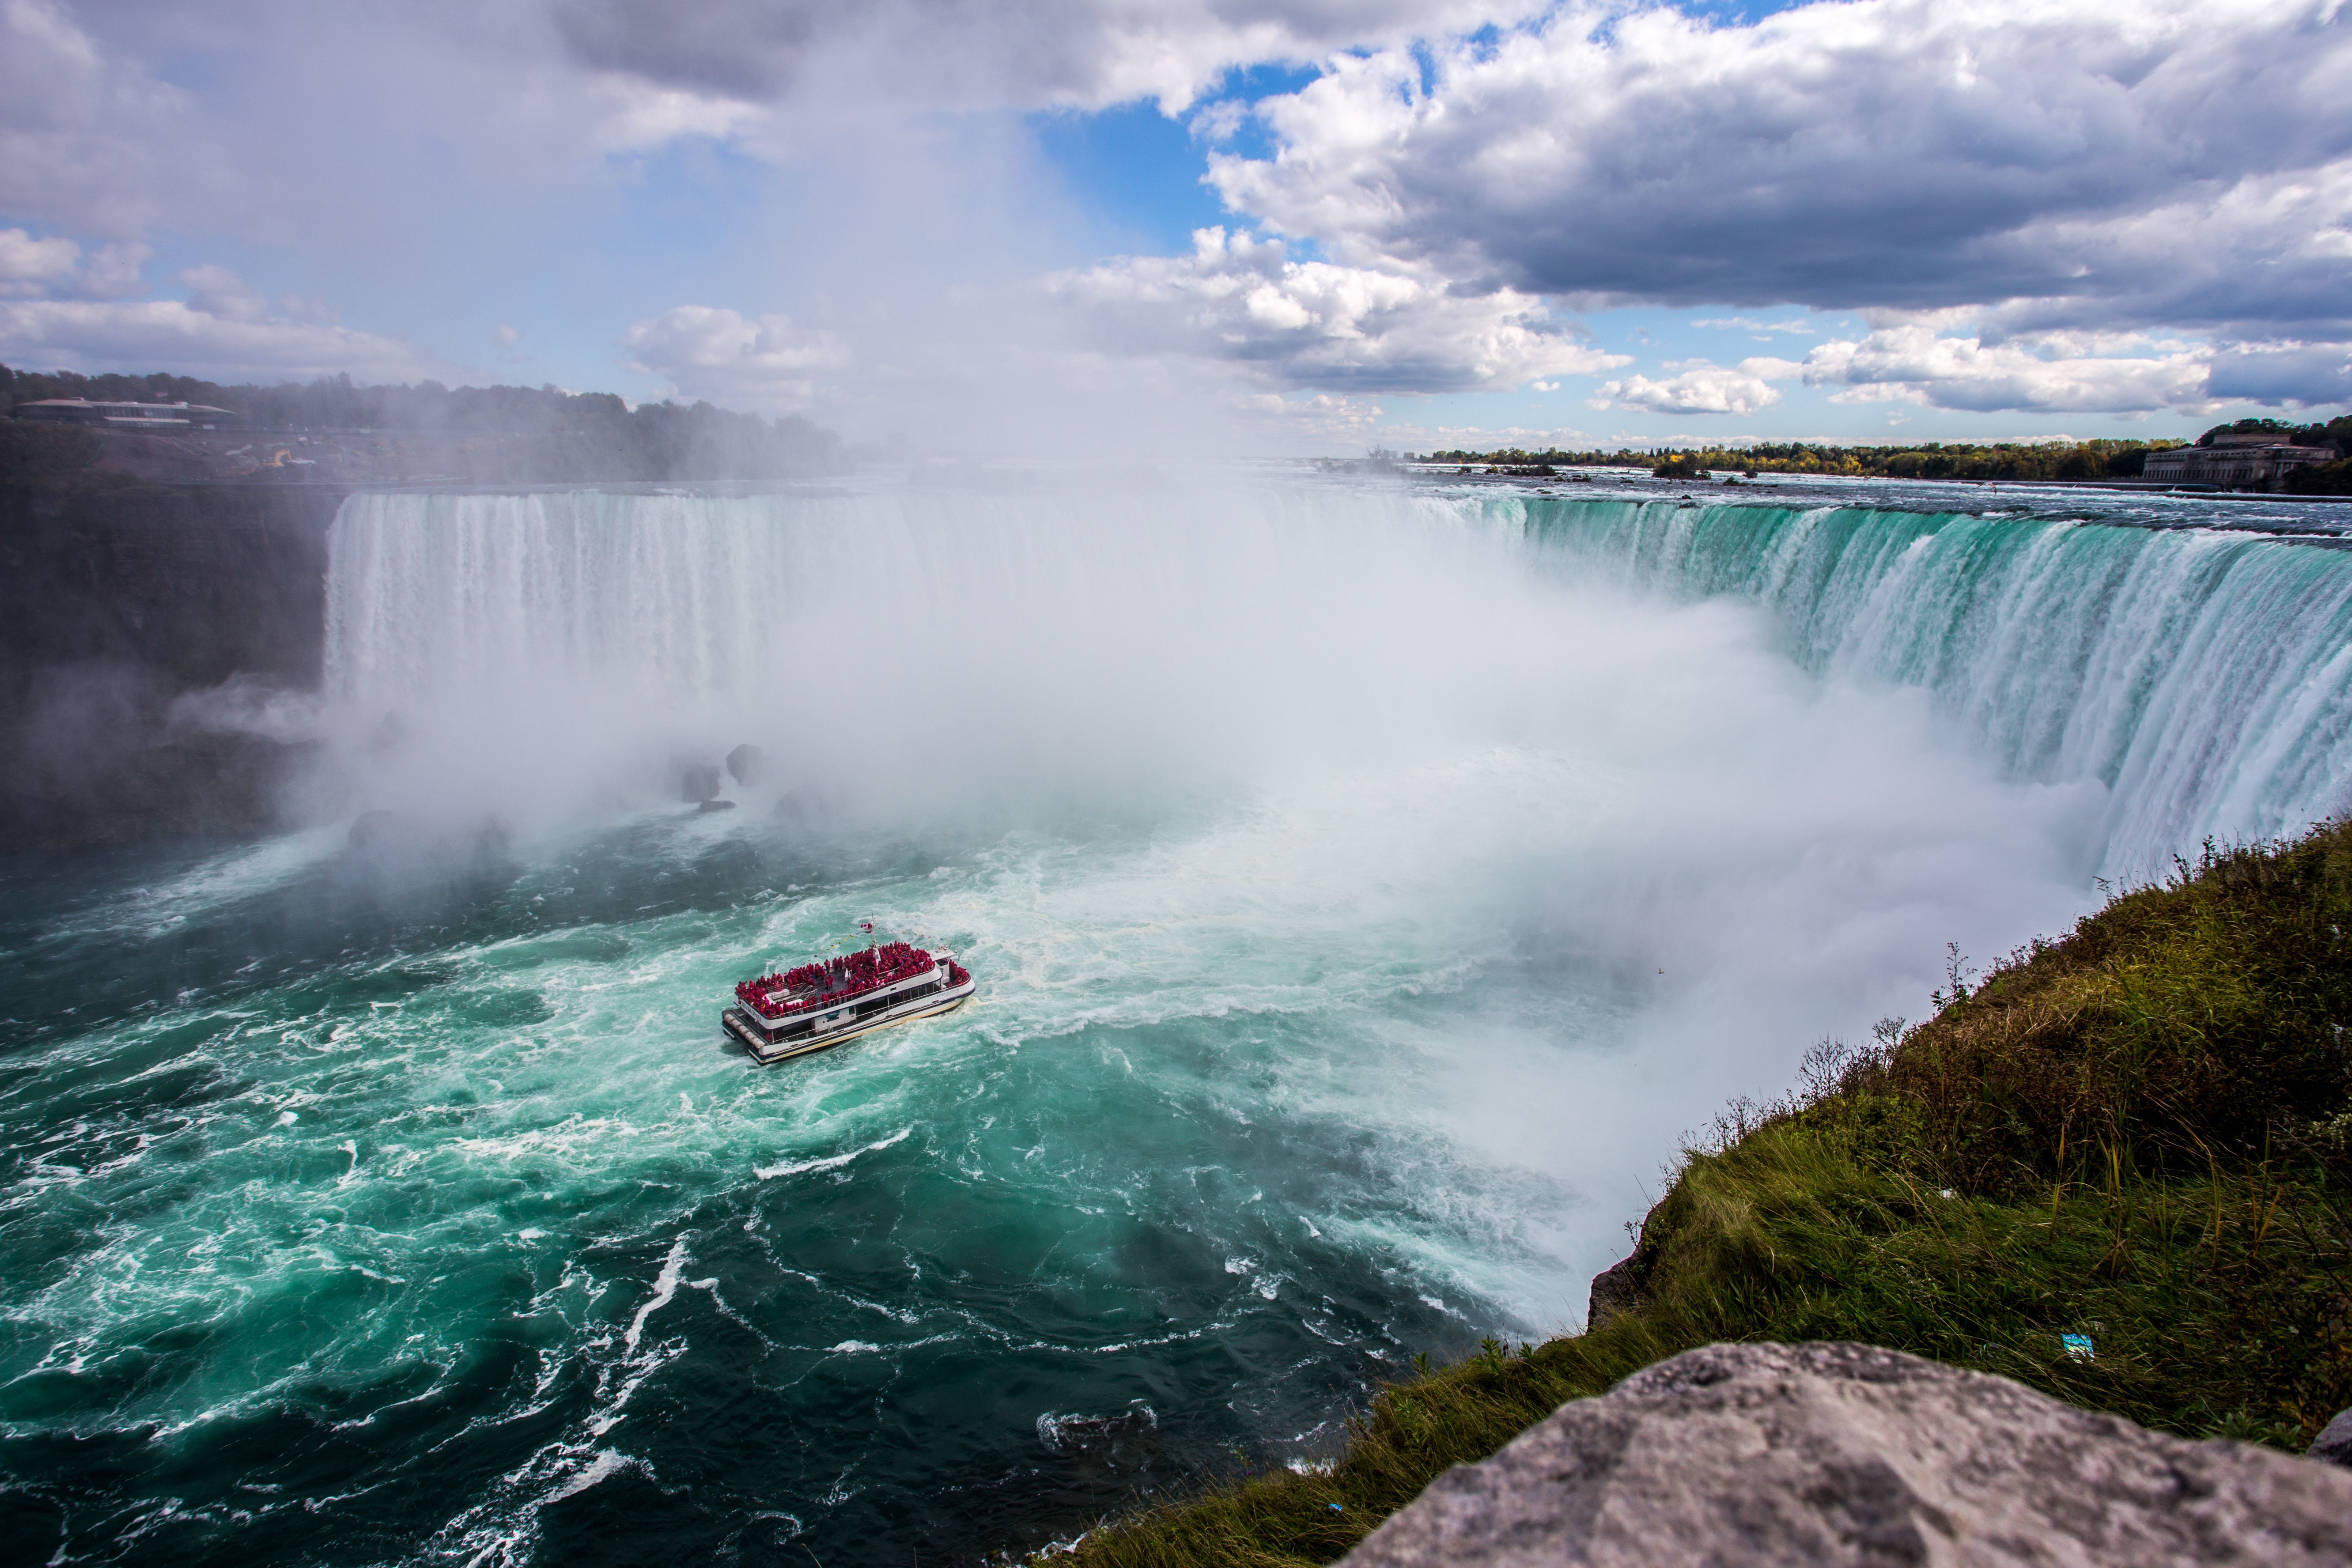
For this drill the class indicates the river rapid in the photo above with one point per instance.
(1370, 882)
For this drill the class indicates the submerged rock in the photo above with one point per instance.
(748, 764)
(709, 805)
(804, 808)
(1841, 1454)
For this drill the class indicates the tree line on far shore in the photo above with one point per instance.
(2005, 461)
(549, 434)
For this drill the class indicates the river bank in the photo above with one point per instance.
(2115, 1169)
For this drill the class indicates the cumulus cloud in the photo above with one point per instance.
(2301, 376)
(82, 130)
(767, 363)
(1702, 388)
(1907, 154)
(1913, 363)
(1747, 324)
(1926, 361)
(1322, 415)
(1024, 54)
(35, 266)
(1244, 302)
(1471, 175)
(173, 334)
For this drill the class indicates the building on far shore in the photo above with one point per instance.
(2237, 460)
(165, 417)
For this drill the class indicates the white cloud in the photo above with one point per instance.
(1243, 301)
(1702, 387)
(1322, 414)
(1023, 54)
(172, 334)
(83, 133)
(1901, 153)
(35, 266)
(766, 363)
(2056, 373)
(1746, 324)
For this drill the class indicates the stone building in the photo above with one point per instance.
(2237, 460)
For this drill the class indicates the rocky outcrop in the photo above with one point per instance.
(1617, 1288)
(2333, 1443)
(1849, 1454)
(115, 603)
(1623, 1285)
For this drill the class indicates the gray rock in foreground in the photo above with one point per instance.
(2333, 1443)
(1839, 1454)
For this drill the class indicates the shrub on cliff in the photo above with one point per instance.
(36, 453)
(2118, 1170)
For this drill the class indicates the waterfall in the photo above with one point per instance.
(2203, 678)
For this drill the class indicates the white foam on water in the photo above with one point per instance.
(664, 1288)
(831, 1161)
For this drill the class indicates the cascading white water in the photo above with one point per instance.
(2204, 677)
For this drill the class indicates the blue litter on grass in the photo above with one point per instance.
(2078, 1347)
(1337, 1509)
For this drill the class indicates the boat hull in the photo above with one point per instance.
(767, 1049)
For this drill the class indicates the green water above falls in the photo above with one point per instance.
(365, 1207)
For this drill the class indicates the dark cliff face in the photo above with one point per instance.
(115, 600)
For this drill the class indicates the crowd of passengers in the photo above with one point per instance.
(833, 979)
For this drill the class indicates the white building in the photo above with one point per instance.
(163, 417)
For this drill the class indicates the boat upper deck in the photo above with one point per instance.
(830, 983)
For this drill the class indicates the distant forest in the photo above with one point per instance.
(545, 432)
(2007, 460)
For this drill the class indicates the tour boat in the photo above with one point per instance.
(822, 1004)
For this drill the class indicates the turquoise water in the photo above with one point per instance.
(1366, 889)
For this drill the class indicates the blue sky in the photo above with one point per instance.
(1437, 224)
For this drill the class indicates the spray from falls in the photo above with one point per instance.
(2204, 679)
(1108, 643)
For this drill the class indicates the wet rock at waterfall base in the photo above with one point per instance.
(1850, 1455)
(804, 808)
(699, 783)
(711, 805)
(747, 764)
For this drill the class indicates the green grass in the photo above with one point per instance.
(2144, 1132)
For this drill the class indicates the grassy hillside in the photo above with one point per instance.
(2138, 1134)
